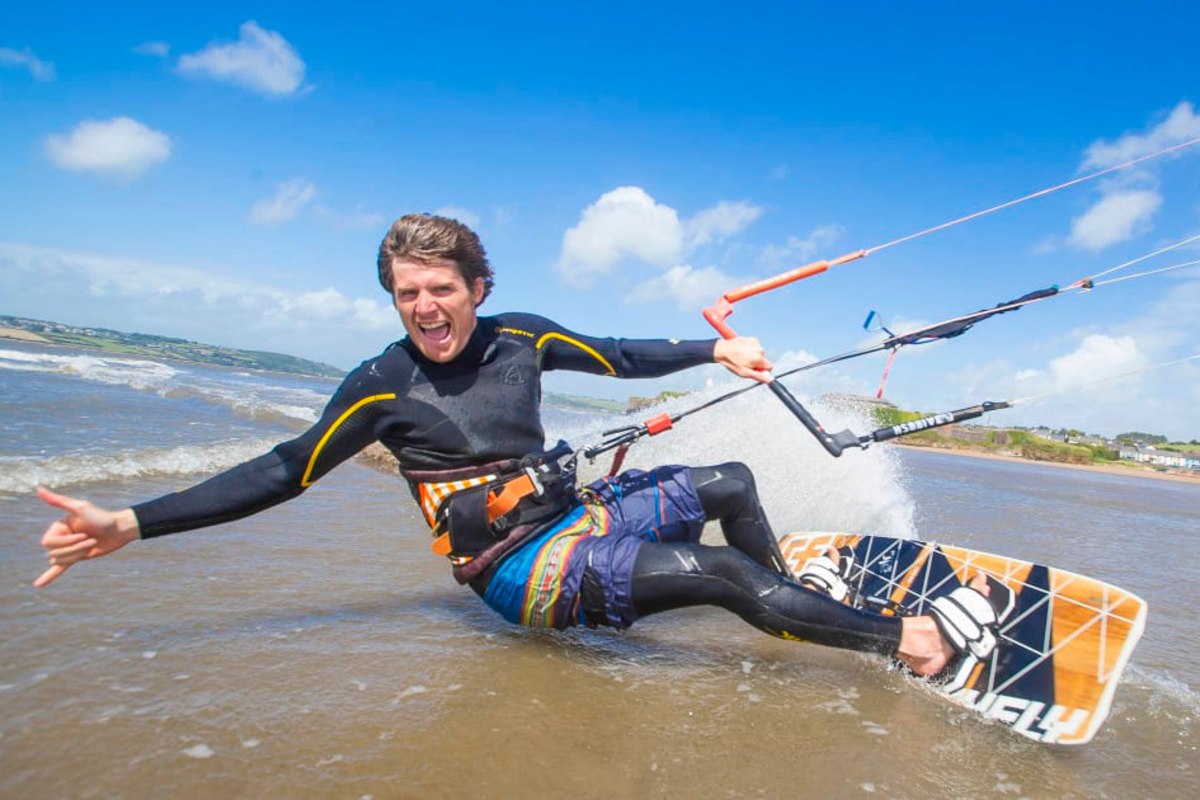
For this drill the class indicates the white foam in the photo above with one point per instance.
(802, 487)
(21, 475)
(199, 751)
(261, 402)
(1168, 694)
(259, 399)
(135, 372)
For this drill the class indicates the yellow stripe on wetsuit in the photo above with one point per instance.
(580, 345)
(306, 481)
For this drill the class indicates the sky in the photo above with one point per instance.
(225, 172)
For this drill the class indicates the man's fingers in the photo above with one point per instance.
(58, 532)
(79, 548)
(62, 501)
(762, 375)
(49, 576)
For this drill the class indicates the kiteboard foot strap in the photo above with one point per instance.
(828, 576)
(970, 620)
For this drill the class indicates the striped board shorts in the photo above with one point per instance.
(580, 570)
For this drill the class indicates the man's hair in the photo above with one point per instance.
(426, 238)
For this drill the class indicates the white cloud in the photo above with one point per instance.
(1170, 327)
(157, 49)
(1129, 201)
(330, 306)
(719, 222)
(1181, 125)
(1076, 384)
(791, 359)
(289, 198)
(1098, 356)
(260, 60)
(625, 222)
(120, 146)
(689, 287)
(1116, 217)
(25, 59)
(1084, 371)
(136, 295)
(797, 250)
(465, 216)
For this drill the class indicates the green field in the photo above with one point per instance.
(149, 346)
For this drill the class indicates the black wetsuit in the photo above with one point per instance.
(483, 407)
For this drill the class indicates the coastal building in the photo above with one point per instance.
(1168, 459)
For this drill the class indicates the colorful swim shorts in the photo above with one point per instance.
(580, 570)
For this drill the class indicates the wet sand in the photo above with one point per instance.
(320, 650)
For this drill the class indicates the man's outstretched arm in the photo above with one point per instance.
(87, 531)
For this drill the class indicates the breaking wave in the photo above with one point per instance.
(20, 475)
(248, 395)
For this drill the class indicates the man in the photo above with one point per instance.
(456, 402)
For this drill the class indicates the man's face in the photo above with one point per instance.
(436, 306)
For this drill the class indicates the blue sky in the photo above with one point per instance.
(225, 174)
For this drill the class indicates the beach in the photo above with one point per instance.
(1130, 470)
(319, 649)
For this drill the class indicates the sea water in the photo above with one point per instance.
(318, 649)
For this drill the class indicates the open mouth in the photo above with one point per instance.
(436, 332)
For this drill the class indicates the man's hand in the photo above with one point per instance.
(743, 356)
(87, 531)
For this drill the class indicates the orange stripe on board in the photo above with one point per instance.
(975, 673)
(1089, 626)
(969, 563)
(906, 582)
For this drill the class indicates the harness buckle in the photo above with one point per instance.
(538, 488)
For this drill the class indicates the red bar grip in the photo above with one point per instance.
(716, 314)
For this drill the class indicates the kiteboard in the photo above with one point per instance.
(1060, 651)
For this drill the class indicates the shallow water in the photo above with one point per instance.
(319, 650)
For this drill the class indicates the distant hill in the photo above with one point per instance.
(580, 403)
(144, 344)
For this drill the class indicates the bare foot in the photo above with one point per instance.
(922, 647)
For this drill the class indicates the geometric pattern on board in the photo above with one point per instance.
(1059, 654)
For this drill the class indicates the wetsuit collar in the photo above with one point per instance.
(476, 351)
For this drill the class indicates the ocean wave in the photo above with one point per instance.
(260, 401)
(292, 405)
(133, 372)
(20, 475)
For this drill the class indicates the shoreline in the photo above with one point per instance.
(9, 334)
(1113, 469)
(377, 457)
